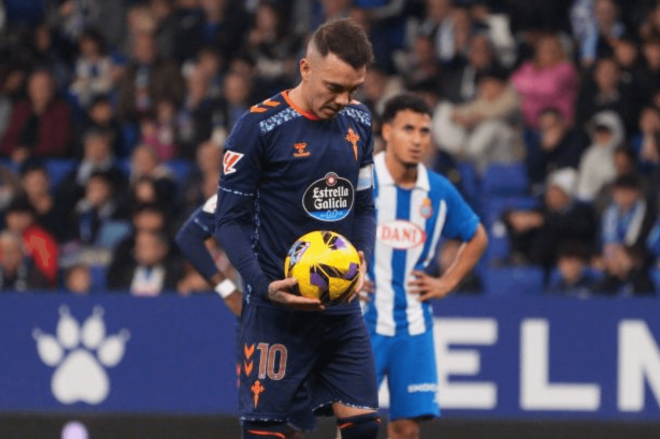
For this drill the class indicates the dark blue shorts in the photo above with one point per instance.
(293, 362)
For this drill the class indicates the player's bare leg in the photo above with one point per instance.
(403, 429)
(356, 423)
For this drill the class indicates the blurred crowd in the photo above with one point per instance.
(114, 114)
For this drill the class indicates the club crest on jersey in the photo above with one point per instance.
(329, 198)
(426, 209)
(301, 149)
(230, 160)
(400, 234)
(353, 139)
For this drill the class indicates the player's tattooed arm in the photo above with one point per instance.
(280, 291)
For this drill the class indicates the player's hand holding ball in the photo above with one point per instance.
(321, 268)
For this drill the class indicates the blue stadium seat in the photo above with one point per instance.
(469, 180)
(10, 164)
(513, 281)
(58, 169)
(124, 165)
(498, 250)
(555, 275)
(655, 277)
(130, 136)
(112, 232)
(181, 169)
(98, 276)
(494, 206)
(505, 179)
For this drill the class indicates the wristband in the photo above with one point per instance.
(225, 288)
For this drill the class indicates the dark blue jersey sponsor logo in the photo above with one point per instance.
(329, 198)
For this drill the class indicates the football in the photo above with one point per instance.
(326, 265)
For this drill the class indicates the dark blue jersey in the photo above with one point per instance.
(192, 236)
(287, 173)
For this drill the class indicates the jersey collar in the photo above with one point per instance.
(305, 114)
(385, 178)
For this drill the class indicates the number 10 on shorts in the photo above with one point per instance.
(272, 360)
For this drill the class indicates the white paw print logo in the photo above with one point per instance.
(80, 356)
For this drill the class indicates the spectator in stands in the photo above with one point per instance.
(575, 278)
(144, 217)
(627, 56)
(92, 69)
(608, 28)
(100, 117)
(194, 122)
(78, 279)
(378, 87)
(40, 125)
(150, 180)
(649, 77)
(17, 271)
(597, 162)
(460, 83)
(555, 146)
(51, 52)
(159, 132)
(222, 24)
(97, 156)
(6, 105)
(208, 163)
(165, 26)
(462, 29)
(438, 24)
(625, 163)
(35, 184)
(628, 219)
(41, 247)
(153, 271)
(238, 96)
(606, 92)
(108, 17)
(549, 80)
(273, 47)
(650, 24)
(148, 79)
(488, 128)
(646, 143)
(211, 63)
(97, 208)
(420, 65)
(627, 273)
(10, 186)
(653, 244)
(536, 235)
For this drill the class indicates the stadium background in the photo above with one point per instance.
(138, 97)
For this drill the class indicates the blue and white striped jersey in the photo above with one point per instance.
(410, 224)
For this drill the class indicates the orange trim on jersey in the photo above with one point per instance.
(257, 109)
(307, 114)
(348, 424)
(266, 433)
(270, 103)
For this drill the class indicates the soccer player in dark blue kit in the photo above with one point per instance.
(297, 162)
(191, 239)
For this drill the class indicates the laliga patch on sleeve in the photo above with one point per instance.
(209, 206)
(365, 178)
(230, 160)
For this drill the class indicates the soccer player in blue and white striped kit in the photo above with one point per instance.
(415, 208)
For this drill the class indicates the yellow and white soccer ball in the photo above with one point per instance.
(326, 265)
